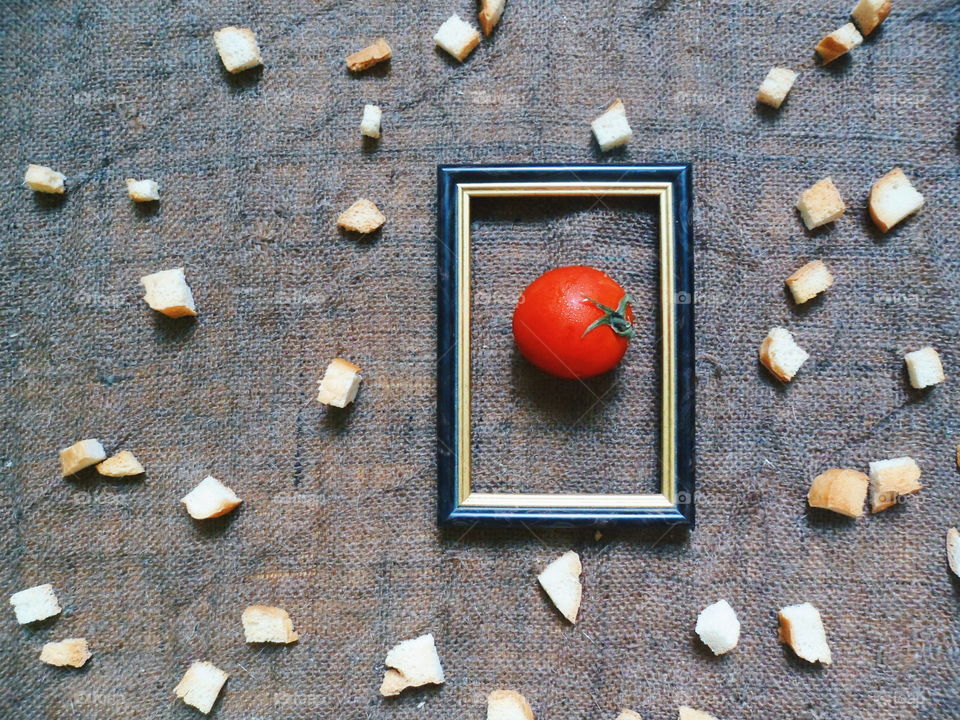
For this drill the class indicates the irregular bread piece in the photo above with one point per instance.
(841, 490)
(45, 180)
(781, 355)
(362, 217)
(457, 37)
(953, 550)
(340, 383)
(820, 204)
(123, 464)
(839, 42)
(809, 281)
(561, 580)
(81, 455)
(369, 56)
(143, 190)
(35, 604)
(238, 48)
(718, 627)
(210, 499)
(924, 367)
(775, 86)
(201, 685)
(266, 624)
(628, 715)
(72, 651)
(167, 292)
(893, 198)
(612, 129)
(889, 479)
(801, 627)
(868, 14)
(688, 713)
(370, 123)
(412, 663)
(490, 12)
(508, 705)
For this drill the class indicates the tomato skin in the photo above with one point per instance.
(554, 311)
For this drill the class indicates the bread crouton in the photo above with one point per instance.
(841, 490)
(508, 705)
(210, 499)
(35, 604)
(201, 685)
(72, 651)
(561, 581)
(781, 355)
(412, 663)
(688, 713)
(889, 479)
(340, 383)
(775, 86)
(839, 42)
(123, 464)
(801, 627)
(167, 292)
(490, 12)
(370, 122)
(266, 624)
(238, 48)
(628, 715)
(46, 180)
(143, 190)
(893, 198)
(457, 37)
(81, 455)
(718, 627)
(362, 217)
(369, 56)
(868, 14)
(809, 281)
(924, 367)
(953, 550)
(612, 129)
(820, 204)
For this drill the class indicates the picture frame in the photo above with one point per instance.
(457, 503)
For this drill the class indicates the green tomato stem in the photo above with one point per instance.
(615, 319)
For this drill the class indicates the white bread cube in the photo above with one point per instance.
(266, 624)
(201, 685)
(508, 705)
(143, 190)
(612, 129)
(490, 12)
(628, 715)
(781, 355)
(370, 123)
(718, 627)
(45, 180)
(340, 383)
(820, 204)
(123, 464)
(775, 86)
(238, 48)
(369, 56)
(457, 37)
(840, 490)
(924, 367)
(688, 713)
(362, 217)
(72, 651)
(868, 14)
(839, 42)
(953, 550)
(561, 581)
(801, 627)
(889, 479)
(35, 604)
(210, 499)
(81, 455)
(412, 663)
(893, 198)
(809, 281)
(167, 292)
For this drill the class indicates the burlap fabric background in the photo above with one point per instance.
(338, 523)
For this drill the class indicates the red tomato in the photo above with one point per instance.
(573, 322)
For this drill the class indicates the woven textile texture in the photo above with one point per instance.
(338, 521)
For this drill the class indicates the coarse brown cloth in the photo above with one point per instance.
(338, 522)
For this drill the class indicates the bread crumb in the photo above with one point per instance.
(801, 627)
(362, 217)
(612, 129)
(210, 499)
(809, 281)
(238, 48)
(81, 455)
(123, 464)
(457, 37)
(167, 292)
(490, 12)
(781, 355)
(72, 651)
(893, 198)
(924, 367)
(688, 713)
(45, 180)
(889, 479)
(201, 685)
(35, 604)
(143, 190)
(839, 42)
(953, 550)
(508, 705)
(718, 627)
(868, 14)
(775, 86)
(369, 56)
(561, 581)
(841, 490)
(266, 624)
(340, 383)
(820, 204)
(370, 123)
(412, 663)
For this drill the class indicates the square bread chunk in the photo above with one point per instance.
(490, 12)
(412, 663)
(369, 56)
(801, 627)
(820, 204)
(266, 624)
(210, 499)
(508, 705)
(35, 604)
(46, 180)
(201, 685)
(781, 355)
(809, 281)
(561, 581)
(143, 190)
(340, 383)
(774, 88)
(370, 123)
(238, 48)
(953, 550)
(123, 464)
(868, 14)
(457, 37)
(81, 455)
(718, 627)
(626, 714)
(72, 652)
(167, 292)
(688, 713)
(892, 199)
(362, 217)
(924, 367)
(612, 129)
(889, 479)
(839, 42)
(841, 490)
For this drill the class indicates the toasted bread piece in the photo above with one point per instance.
(266, 624)
(238, 48)
(362, 217)
(457, 37)
(143, 190)
(490, 12)
(801, 627)
(340, 383)
(809, 281)
(628, 715)
(369, 56)
(688, 713)
(924, 367)
(412, 663)
(868, 14)
(612, 129)
(35, 604)
(72, 651)
(953, 550)
(561, 580)
(370, 122)
(718, 627)
(775, 86)
(781, 355)
(841, 490)
(201, 685)
(889, 479)
(167, 292)
(839, 42)
(123, 464)
(893, 198)
(820, 204)
(508, 705)
(210, 499)
(81, 455)
(46, 180)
